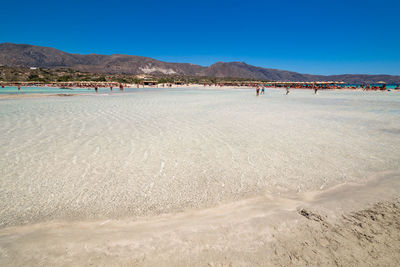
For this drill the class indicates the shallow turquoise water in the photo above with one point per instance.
(40, 90)
(151, 151)
(56, 90)
(388, 86)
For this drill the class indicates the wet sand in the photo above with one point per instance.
(330, 228)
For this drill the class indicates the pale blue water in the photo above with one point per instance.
(388, 86)
(55, 90)
(40, 90)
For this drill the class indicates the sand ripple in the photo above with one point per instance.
(166, 150)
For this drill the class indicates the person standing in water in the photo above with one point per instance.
(19, 87)
(287, 90)
(315, 90)
(257, 90)
(263, 90)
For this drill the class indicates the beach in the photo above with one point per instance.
(262, 231)
(192, 176)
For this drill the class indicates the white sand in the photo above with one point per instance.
(266, 230)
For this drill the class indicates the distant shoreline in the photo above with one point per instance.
(283, 85)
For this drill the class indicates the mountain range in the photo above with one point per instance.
(24, 55)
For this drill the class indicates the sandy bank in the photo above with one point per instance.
(369, 237)
(327, 229)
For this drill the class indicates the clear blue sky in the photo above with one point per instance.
(318, 37)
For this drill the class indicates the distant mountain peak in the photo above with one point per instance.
(25, 55)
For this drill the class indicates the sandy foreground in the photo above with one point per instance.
(337, 227)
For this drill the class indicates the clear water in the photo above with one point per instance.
(163, 150)
(57, 90)
(388, 86)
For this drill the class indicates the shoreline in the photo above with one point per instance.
(265, 230)
(272, 230)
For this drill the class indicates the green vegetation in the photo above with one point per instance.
(65, 78)
(100, 79)
(13, 74)
(33, 77)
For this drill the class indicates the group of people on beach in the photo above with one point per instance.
(260, 90)
(121, 87)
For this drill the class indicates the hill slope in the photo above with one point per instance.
(22, 55)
